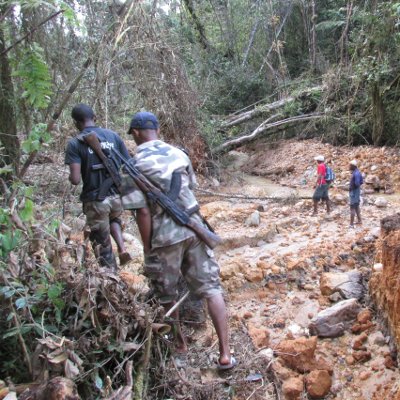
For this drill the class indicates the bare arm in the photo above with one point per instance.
(143, 219)
(74, 173)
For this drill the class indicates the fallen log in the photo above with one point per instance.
(248, 115)
(237, 119)
(204, 192)
(262, 128)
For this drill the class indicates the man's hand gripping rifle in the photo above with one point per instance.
(154, 194)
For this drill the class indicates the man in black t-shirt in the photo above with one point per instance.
(101, 200)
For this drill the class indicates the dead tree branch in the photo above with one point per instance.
(238, 119)
(261, 129)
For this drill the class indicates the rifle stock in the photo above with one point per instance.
(93, 142)
(209, 238)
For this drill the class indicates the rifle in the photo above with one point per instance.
(156, 195)
(93, 142)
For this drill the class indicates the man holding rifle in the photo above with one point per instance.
(100, 196)
(172, 248)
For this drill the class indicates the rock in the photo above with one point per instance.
(336, 388)
(358, 342)
(215, 182)
(281, 372)
(335, 297)
(253, 219)
(320, 363)
(308, 286)
(364, 316)
(279, 323)
(339, 198)
(373, 181)
(357, 327)
(378, 267)
(296, 330)
(254, 275)
(385, 286)
(259, 336)
(369, 238)
(128, 237)
(390, 363)
(349, 360)
(232, 267)
(361, 356)
(376, 232)
(267, 354)
(261, 264)
(318, 384)
(364, 375)
(275, 269)
(376, 338)
(333, 321)
(298, 353)
(381, 202)
(293, 388)
(348, 284)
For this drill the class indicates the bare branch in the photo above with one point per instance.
(31, 32)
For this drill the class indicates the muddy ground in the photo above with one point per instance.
(272, 258)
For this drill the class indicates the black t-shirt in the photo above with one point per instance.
(78, 152)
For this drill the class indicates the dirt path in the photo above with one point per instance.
(273, 258)
(271, 272)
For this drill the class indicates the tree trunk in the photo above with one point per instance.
(345, 33)
(313, 38)
(198, 25)
(378, 115)
(8, 123)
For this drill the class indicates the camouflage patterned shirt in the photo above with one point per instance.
(158, 161)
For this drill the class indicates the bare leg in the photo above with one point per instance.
(352, 215)
(315, 207)
(328, 205)
(358, 212)
(217, 311)
(116, 233)
(180, 341)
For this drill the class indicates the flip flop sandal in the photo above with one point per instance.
(224, 367)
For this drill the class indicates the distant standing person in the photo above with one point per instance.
(101, 201)
(355, 193)
(321, 187)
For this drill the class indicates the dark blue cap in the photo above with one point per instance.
(144, 120)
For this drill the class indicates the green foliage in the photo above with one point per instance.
(35, 77)
(233, 87)
(36, 138)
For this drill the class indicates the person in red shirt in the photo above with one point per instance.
(321, 187)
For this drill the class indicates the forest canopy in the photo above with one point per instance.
(192, 62)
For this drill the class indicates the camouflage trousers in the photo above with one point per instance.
(99, 216)
(191, 259)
